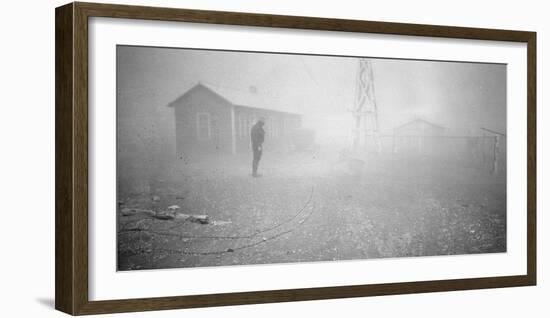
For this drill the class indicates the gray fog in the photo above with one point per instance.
(231, 158)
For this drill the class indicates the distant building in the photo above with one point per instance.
(418, 136)
(218, 120)
(419, 127)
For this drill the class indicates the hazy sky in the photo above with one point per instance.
(459, 96)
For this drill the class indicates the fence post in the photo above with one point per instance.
(495, 153)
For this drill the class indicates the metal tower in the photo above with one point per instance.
(365, 111)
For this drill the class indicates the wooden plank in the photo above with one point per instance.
(298, 22)
(80, 167)
(64, 226)
(532, 159)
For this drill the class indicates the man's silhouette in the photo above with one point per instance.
(257, 138)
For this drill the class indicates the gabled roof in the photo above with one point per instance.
(418, 120)
(235, 97)
(197, 88)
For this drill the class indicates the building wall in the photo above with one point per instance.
(189, 141)
(419, 138)
(278, 128)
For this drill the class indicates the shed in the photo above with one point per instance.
(418, 136)
(216, 120)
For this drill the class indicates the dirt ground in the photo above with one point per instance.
(311, 207)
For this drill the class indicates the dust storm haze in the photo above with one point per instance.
(425, 176)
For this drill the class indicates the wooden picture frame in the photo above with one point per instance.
(71, 221)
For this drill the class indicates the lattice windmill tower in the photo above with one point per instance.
(365, 111)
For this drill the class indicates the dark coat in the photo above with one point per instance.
(257, 134)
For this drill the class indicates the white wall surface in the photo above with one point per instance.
(27, 159)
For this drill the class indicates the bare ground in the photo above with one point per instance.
(308, 208)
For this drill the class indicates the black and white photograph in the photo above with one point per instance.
(274, 159)
(228, 158)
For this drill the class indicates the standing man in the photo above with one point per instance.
(257, 139)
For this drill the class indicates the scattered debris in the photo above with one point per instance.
(130, 212)
(164, 215)
(173, 207)
(181, 216)
(162, 238)
(202, 219)
(127, 212)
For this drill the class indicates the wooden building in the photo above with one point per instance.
(210, 120)
(419, 137)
